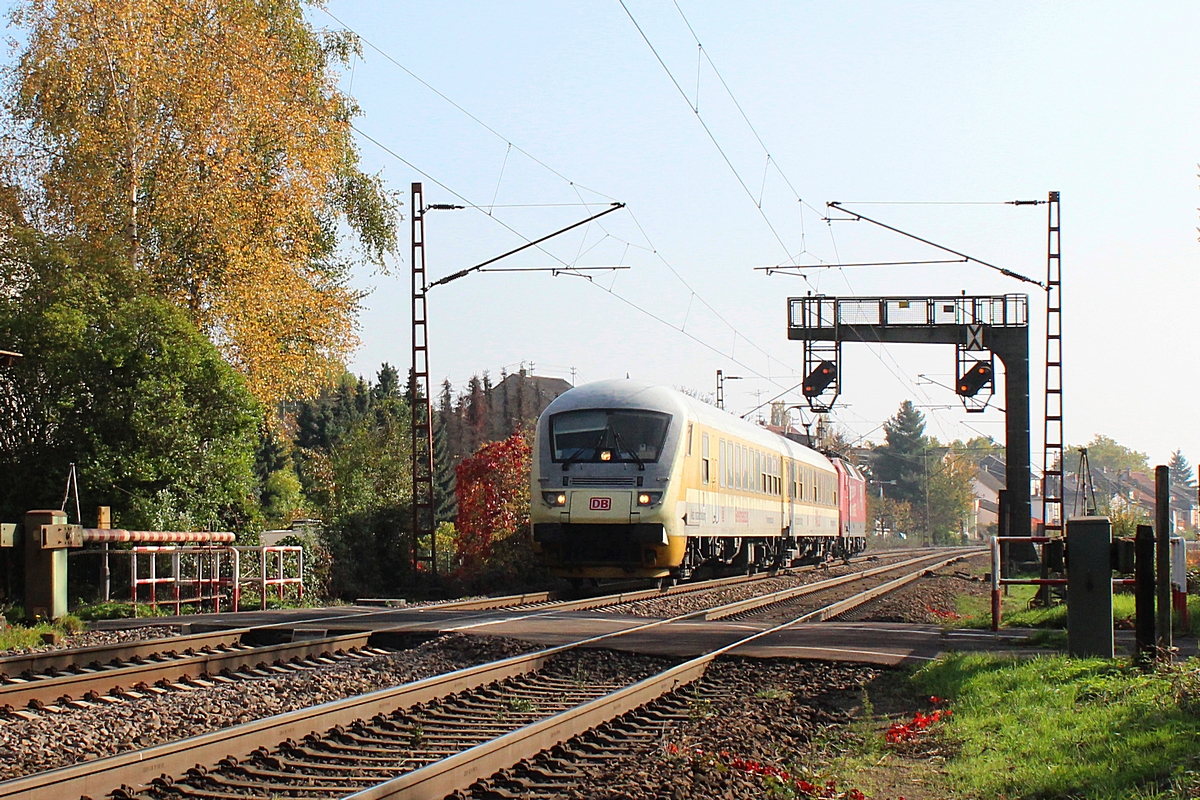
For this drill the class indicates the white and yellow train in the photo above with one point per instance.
(635, 480)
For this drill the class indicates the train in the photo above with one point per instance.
(638, 481)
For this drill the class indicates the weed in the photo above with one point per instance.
(868, 708)
(520, 705)
(1043, 638)
(699, 708)
(579, 676)
(774, 694)
(417, 735)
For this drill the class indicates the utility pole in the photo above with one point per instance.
(1052, 459)
(721, 378)
(423, 522)
(421, 399)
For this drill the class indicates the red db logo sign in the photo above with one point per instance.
(601, 504)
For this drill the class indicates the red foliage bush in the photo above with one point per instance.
(493, 498)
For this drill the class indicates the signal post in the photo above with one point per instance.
(979, 327)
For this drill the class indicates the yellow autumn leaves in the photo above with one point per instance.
(206, 142)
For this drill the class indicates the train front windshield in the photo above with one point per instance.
(608, 435)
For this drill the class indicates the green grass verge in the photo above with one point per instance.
(113, 610)
(18, 637)
(1074, 728)
(976, 612)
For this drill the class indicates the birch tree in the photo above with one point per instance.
(207, 143)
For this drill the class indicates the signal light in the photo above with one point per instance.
(974, 379)
(820, 378)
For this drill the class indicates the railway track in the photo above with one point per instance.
(55, 681)
(78, 678)
(424, 739)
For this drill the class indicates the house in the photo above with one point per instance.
(1135, 488)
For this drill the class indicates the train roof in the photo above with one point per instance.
(626, 393)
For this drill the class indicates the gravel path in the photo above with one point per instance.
(50, 741)
(93, 638)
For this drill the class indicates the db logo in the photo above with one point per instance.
(601, 504)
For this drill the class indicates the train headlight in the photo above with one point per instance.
(649, 498)
(554, 498)
(606, 455)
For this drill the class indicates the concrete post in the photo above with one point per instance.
(45, 569)
(104, 522)
(1089, 588)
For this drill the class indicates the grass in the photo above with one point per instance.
(1060, 727)
(112, 610)
(25, 636)
(976, 612)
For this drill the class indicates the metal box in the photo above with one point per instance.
(55, 537)
(8, 533)
(1089, 588)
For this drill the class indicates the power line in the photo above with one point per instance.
(445, 97)
(737, 175)
(707, 130)
(575, 186)
(856, 217)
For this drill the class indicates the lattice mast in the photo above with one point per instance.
(1052, 460)
(421, 400)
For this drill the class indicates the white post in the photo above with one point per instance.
(995, 583)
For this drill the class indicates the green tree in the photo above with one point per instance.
(902, 457)
(445, 500)
(1183, 477)
(950, 497)
(1105, 453)
(207, 143)
(889, 516)
(124, 386)
(354, 452)
(978, 448)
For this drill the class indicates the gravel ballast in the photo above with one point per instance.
(675, 605)
(752, 719)
(930, 600)
(50, 741)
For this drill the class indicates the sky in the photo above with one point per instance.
(926, 116)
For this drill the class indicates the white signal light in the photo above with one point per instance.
(560, 500)
(643, 499)
(606, 455)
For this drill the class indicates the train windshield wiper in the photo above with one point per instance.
(621, 444)
(580, 451)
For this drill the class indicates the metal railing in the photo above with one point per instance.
(208, 576)
(1010, 310)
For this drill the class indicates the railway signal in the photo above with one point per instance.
(819, 379)
(974, 379)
